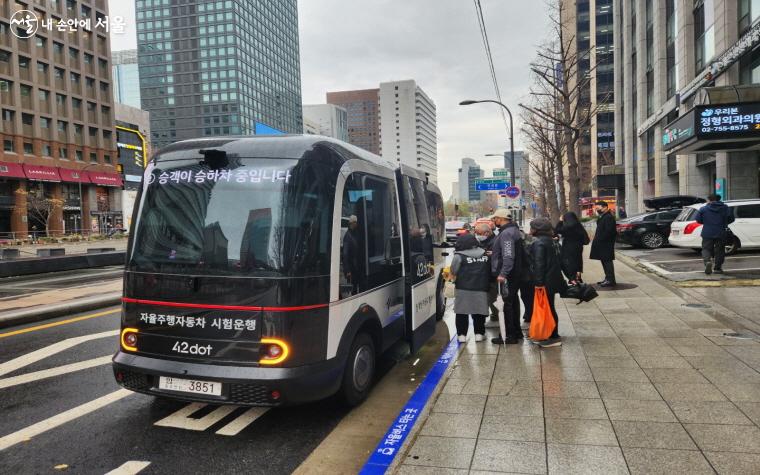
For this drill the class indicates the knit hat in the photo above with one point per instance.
(466, 241)
(542, 226)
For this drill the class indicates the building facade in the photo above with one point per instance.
(330, 120)
(588, 29)
(469, 172)
(688, 73)
(219, 68)
(58, 160)
(126, 77)
(363, 116)
(408, 126)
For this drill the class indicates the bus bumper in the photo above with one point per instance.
(241, 385)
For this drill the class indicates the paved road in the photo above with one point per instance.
(686, 264)
(12, 287)
(60, 406)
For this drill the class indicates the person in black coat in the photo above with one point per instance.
(603, 246)
(574, 237)
(547, 271)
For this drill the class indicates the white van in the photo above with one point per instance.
(686, 232)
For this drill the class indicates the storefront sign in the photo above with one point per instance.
(661, 113)
(11, 170)
(678, 131)
(40, 173)
(106, 179)
(74, 176)
(740, 122)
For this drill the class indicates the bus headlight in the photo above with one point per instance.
(273, 351)
(129, 339)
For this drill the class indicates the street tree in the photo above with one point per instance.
(41, 207)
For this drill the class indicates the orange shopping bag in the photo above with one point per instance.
(541, 322)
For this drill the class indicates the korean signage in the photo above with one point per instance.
(241, 175)
(26, 23)
(714, 122)
(491, 184)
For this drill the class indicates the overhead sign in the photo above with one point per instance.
(513, 192)
(740, 121)
(491, 184)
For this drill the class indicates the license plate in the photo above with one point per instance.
(675, 232)
(190, 386)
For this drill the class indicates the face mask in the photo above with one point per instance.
(423, 234)
(480, 238)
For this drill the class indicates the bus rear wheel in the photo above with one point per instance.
(359, 372)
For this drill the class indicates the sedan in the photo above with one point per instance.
(648, 230)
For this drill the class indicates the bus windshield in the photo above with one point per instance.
(255, 217)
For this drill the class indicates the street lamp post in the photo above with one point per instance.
(510, 165)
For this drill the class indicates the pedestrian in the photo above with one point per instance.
(714, 217)
(603, 245)
(623, 214)
(547, 271)
(507, 264)
(485, 237)
(351, 255)
(574, 237)
(470, 272)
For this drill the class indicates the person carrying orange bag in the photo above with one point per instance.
(548, 280)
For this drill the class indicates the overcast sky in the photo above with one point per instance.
(356, 44)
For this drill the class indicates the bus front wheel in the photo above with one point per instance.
(359, 372)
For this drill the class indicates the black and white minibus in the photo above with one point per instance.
(274, 270)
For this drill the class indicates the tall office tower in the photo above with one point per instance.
(688, 73)
(408, 126)
(363, 116)
(469, 172)
(589, 24)
(57, 162)
(326, 119)
(219, 68)
(126, 77)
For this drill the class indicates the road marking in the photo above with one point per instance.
(58, 371)
(62, 322)
(62, 418)
(182, 420)
(50, 350)
(243, 421)
(130, 468)
(702, 271)
(728, 258)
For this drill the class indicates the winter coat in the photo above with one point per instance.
(571, 253)
(508, 255)
(714, 218)
(469, 302)
(603, 246)
(546, 265)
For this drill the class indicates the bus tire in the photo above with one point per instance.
(359, 372)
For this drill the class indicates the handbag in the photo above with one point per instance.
(581, 291)
(542, 322)
(449, 289)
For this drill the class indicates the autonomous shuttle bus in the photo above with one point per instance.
(274, 270)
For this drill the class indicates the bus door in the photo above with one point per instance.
(420, 294)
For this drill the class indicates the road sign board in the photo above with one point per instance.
(491, 180)
(491, 186)
(513, 191)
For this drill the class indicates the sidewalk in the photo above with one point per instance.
(642, 384)
(30, 250)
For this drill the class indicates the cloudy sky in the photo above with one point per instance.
(356, 44)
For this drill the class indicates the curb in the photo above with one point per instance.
(737, 282)
(44, 312)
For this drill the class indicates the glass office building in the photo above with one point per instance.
(126, 77)
(219, 68)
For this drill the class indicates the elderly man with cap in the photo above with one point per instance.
(507, 262)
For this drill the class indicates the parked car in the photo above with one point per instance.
(744, 231)
(648, 230)
(455, 228)
(672, 202)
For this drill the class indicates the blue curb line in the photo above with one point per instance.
(386, 451)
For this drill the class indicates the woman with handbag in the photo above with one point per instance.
(548, 281)
(470, 270)
(574, 237)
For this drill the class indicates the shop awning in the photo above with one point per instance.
(11, 170)
(74, 176)
(40, 173)
(106, 179)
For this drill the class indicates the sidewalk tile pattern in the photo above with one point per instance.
(642, 384)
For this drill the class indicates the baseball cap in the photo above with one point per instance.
(501, 213)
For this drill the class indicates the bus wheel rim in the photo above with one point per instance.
(362, 369)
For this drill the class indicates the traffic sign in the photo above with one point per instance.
(513, 191)
(491, 184)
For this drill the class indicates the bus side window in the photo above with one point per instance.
(436, 216)
(353, 257)
(383, 243)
